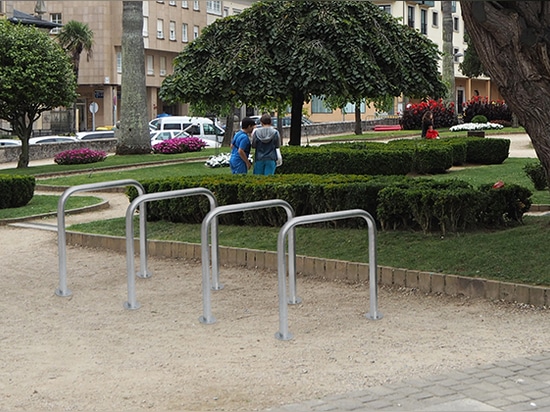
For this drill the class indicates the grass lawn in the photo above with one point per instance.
(518, 254)
(41, 204)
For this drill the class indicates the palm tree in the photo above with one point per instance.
(447, 64)
(76, 37)
(133, 134)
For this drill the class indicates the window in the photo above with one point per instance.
(456, 54)
(214, 7)
(350, 108)
(146, 27)
(162, 63)
(435, 19)
(318, 105)
(225, 11)
(424, 21)
(184, 33)
(196, 5)
(173, 30)
(55, 18)
(410, 16)
(172, 2)
(385, 8)
(236, 11)
(119, 62)
(150, 67)
(195, 32)
(184, 4)
(160, 29)
(456, 24)
(160, 1)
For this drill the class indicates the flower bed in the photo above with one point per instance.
(469, 127)
(79, 156)
(179, 145)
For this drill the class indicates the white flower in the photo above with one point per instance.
(475, 126)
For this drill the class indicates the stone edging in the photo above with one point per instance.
(331, 269)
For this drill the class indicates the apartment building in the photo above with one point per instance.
(168, 26)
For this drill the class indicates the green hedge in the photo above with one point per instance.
(396, 202)
(397, 157)
(16, 191)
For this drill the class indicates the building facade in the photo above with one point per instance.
(168, 26)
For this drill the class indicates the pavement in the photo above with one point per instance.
(519, 384)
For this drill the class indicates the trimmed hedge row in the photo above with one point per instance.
(396, 202)
(16, 191)
(398, 157)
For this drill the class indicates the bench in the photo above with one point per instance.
(386, 127)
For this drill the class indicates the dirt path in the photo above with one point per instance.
(86, 352)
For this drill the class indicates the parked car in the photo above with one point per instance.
(10, 142)
(102, 134)
(52, 139)
(201, 127)
(161, 135)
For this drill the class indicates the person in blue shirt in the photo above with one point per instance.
(240, 147)
(266, 141)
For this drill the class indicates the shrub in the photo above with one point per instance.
(179, 145)
(491, 109)
(444, 115)
(79, 156)
(535, 172)
(16, 191)
(479, 118)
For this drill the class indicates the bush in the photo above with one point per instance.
(535, 172)
(491, 109)
(444, 116)
(179, 145)
(79, 156)
(479, 118)
(16, 191)
(396, 202)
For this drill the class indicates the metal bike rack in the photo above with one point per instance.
(132, 303)
(62, 290)
(283, 333)
(207, 317)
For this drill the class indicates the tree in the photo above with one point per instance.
(36, 76)
(511, 40)
(471, 66)
(133, 134)
(280, 51)
(76, 37)
(447, 64)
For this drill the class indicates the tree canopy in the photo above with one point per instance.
(512, 42)
(36, 76)
(76, 37)
(277, 52)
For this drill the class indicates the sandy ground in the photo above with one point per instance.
(87, 352)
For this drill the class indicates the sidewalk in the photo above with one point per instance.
(520, 384)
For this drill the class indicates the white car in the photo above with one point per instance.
(162, 135)
(10, 142)
(99, 134)
(52, 139)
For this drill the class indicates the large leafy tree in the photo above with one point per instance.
(36, 75)
(286, 51)
(512, 42)
(76, 37)
(133, 134)
(471, 65)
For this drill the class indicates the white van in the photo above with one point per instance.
(201, 127)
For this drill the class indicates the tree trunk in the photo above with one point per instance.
(229, 126)
(23, 129)
(358, 127)
(133, 135)
(296, 118)
(447, 63)
(511, 40)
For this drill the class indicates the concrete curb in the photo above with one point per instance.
(331, 269)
